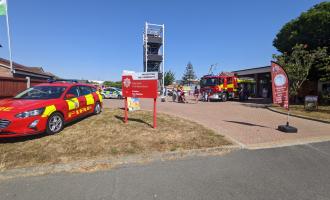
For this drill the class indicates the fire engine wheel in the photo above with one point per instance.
(97, 108)
(55, 123)
(224, 97)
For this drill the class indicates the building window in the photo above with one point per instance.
(326, 87)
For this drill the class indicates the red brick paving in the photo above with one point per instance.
(246, 125)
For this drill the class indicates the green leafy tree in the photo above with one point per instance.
(189, 74)
(169, 78)
(311, 28)
(116, 84)
(298, 64)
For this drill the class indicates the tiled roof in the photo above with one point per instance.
(19, 67)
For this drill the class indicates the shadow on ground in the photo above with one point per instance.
(39, 135)
(246, 123)
(257, 102)
(22, 138)
(133, 119)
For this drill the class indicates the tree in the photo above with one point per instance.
(189, 74)
(311, 28)
(116, 84)
(298, 64)
(169, 78)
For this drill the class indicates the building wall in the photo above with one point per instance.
(10, 87)
(5, 72)
(263, 80)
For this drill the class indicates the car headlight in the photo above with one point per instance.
(30, 113)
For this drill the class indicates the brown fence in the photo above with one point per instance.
(9, 87)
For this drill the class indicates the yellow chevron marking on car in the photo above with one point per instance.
(49, 110)
(100, 96)
(73, 103)
(6, 108)
(89, 99)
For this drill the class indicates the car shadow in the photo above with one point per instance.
(22, 138)
(133, 119)
(246, 123)
(39, 135)
(73, 122)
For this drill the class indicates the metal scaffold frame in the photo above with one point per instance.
(157, 30)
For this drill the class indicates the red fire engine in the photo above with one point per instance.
(223, 87)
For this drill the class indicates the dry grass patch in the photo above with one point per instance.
(105, 135)
(323, 112)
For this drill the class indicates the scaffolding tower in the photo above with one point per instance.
(153, 51)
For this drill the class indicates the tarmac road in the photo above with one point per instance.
(295, 172)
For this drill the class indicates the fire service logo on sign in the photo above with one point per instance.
(127, 82)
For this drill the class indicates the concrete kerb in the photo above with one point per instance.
(298, 116)
(109, 163)
(285, 143)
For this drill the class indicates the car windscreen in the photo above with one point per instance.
(209, 81)
(41, 92)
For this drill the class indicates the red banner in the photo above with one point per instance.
(280, 85)
(140, 85)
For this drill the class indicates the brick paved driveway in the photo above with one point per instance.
(247, 125)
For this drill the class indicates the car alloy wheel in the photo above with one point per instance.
(224, 97)
(97, 109)
(55, 123)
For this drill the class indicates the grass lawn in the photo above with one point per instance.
(105, 136)
(323, 112)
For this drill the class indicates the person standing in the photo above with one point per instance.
(196, 93)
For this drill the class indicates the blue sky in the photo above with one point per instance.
(98, 39)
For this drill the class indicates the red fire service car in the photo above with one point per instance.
(47, 107)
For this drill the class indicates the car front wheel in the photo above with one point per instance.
(224, 97)
(55, 123)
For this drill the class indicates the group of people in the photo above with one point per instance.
(179, 94)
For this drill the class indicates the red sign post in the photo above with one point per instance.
(140, 85)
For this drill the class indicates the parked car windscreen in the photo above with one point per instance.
(41, 92)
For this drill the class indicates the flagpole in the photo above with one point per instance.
(9, 40)
(287, 119)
